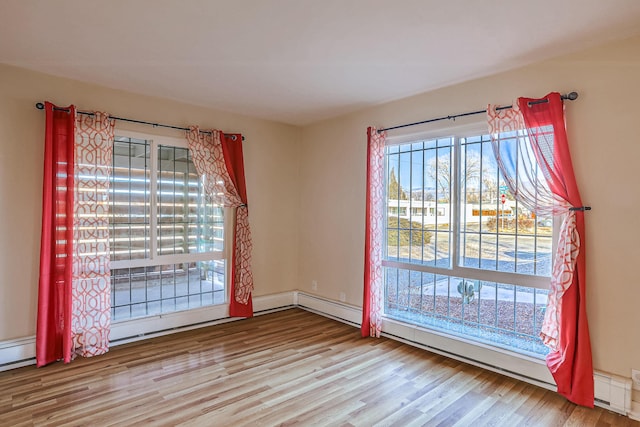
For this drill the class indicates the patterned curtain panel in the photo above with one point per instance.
(530, 144)
(91, 313)
(373, 292)
(516, 157)
(518, 164)
(224, 184)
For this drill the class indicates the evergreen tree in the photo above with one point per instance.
(395, 192)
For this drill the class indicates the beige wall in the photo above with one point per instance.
(603, 128)
(271, 163)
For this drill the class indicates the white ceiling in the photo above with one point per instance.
(298, 61)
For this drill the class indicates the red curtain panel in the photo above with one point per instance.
(53, 332)
(570, 360)
(234, 161)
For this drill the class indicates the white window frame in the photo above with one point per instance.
(455, 270)
(515, 364)
(150, 324)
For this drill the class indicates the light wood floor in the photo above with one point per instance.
(287, 368)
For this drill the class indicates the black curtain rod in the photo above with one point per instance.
(40, 106)
(570, 96)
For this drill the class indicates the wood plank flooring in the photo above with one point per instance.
(286, 368)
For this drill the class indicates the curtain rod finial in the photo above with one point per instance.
(40, 106)
(572, 96)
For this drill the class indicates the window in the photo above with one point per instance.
(474, 263)
(166, 239)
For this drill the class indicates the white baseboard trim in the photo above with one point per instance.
(149, 327)
(333, 309)
(17, 353)
(634, 412)
(268, 303)
(612, 392)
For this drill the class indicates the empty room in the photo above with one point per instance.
(332, 213)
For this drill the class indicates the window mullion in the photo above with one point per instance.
(410, 204)
(455, 204)
(480, 176)
(515, 210)
(424, 179)
(497, 208)
(153, 208)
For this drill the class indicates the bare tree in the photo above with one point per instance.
(440, 170)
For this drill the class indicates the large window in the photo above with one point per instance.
(166, 238)
(462, 255)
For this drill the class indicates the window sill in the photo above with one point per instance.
(509, 341)
(530, 368)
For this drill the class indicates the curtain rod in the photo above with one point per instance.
(570, 96)
(40, 106)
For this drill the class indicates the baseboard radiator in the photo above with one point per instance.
(611, 391)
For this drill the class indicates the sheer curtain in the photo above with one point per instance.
(219, 159)
(74, 293)
(532, 151)
(91, 255)
(373, 283)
